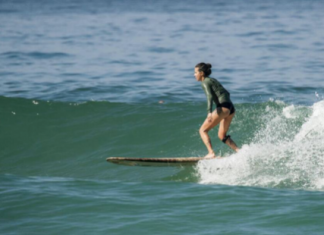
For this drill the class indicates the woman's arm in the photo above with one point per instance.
(207, 88)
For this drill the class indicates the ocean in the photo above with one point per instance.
(81, 81)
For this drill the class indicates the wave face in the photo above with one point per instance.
(282, 144)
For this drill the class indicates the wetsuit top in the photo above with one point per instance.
(215, 92)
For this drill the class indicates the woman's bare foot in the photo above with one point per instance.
(210, 156)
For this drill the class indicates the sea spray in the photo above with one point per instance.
(287, 151)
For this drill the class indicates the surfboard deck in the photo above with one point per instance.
(178, 161)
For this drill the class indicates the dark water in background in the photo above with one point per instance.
(76, 51)
(81, 81)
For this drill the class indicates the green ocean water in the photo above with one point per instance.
(63, 205)
(55, 178)
(61, 139)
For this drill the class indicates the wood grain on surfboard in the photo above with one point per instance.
(178, 161)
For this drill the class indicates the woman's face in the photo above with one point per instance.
(199, 74)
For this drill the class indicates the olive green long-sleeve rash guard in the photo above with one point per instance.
(215, 92)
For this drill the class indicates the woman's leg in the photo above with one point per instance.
(223, 128)
(217, 116)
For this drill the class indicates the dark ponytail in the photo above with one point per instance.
(206, 68)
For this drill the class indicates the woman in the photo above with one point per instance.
(224, 112)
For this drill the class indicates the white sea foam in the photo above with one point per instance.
(314, 127)
(288, 112)
(287, 152)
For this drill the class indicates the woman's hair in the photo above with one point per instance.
(206, 68)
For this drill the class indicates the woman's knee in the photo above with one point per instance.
(203, 130)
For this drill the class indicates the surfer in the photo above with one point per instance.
(224, 112)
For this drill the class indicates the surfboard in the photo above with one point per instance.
(178, 161)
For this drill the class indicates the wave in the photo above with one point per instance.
(282, 144)
(33, 55)
(287, 151)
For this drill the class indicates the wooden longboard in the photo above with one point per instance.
(130, 161)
